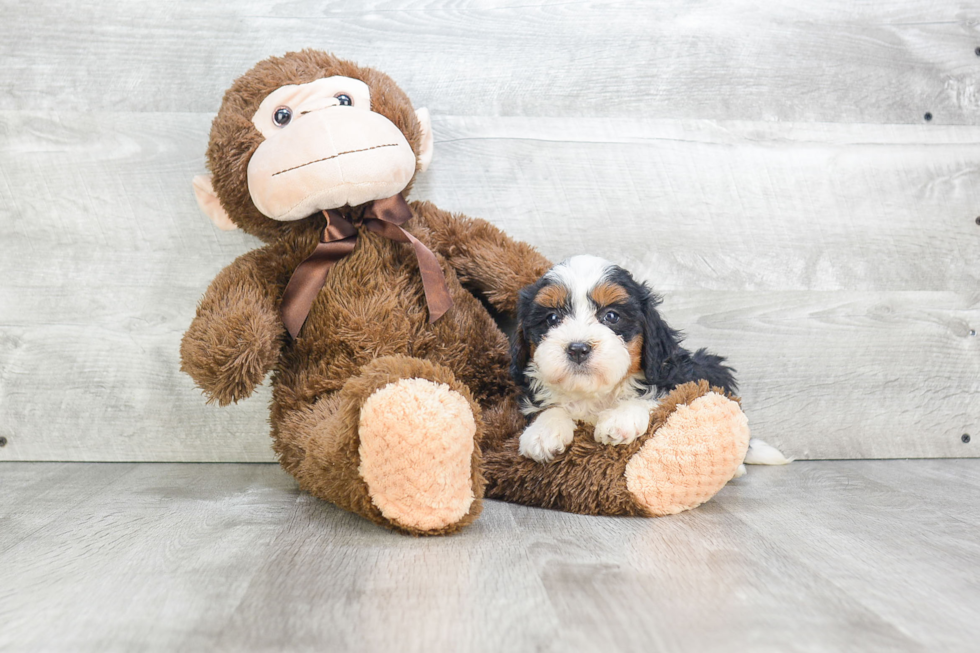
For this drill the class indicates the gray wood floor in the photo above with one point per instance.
(815, 556)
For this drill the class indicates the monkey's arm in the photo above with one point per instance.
(234, 340)
(485, 258)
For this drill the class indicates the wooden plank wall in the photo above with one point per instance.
(765, 165)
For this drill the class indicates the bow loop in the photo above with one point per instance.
(337, 228)
(393, 210)
(383, 217)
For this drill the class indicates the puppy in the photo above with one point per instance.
(590, 346)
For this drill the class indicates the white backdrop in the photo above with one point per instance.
(769, 169)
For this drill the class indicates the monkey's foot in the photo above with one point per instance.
(691, 457)
(416, 452)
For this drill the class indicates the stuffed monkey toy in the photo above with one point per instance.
(392, 396)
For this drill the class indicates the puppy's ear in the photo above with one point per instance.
(660, 343)
(520, 354)
(667, 364)
(520, 348)
(705, 365)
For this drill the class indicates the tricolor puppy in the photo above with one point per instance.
(591, 347)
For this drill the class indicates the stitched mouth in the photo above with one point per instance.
(327, 158)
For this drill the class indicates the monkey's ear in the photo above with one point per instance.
(210, 205)
(425, 147)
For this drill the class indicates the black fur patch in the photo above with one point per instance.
(665, 363)
(631, 310)
(532, 325)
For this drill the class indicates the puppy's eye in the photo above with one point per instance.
(610, 317)
(552, 319)
(281, 116)
(345, 100)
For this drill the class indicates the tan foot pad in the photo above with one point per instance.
(416, 446)
(691, 457)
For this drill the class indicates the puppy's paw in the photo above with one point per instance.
(547, 436)
(624, 423)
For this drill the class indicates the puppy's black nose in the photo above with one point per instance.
(579, 351)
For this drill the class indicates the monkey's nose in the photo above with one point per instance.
(579, 351)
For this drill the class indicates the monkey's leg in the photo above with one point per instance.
(396, 445)
(695, 443)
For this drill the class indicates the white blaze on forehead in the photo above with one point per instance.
(604, 381)
(555, 377)
(580, 274)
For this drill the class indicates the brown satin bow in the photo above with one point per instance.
(383, 217)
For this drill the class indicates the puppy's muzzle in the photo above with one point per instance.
(578, 352)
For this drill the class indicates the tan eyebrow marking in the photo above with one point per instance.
(607, 294)
(552, 296)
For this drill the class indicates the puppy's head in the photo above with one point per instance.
(586, 327)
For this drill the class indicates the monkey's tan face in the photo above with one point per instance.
(324, 148)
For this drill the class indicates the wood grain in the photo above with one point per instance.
(807, 61)
(866, 373)
(183, 535)
(38, 495)
(815, 556)
(848, 319)
(766, 167)
(928, 550)
(727, 205)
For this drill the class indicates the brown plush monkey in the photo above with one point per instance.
(391, 391)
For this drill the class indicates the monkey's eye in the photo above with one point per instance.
(552, 319)
(345, 100)
(281, 116)
(610, 317)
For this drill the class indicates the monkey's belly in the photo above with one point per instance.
(374, 305)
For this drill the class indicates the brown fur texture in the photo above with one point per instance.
(236, 337)
(234, 138)
(319, 446)
(588, 478)
(368, 327)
